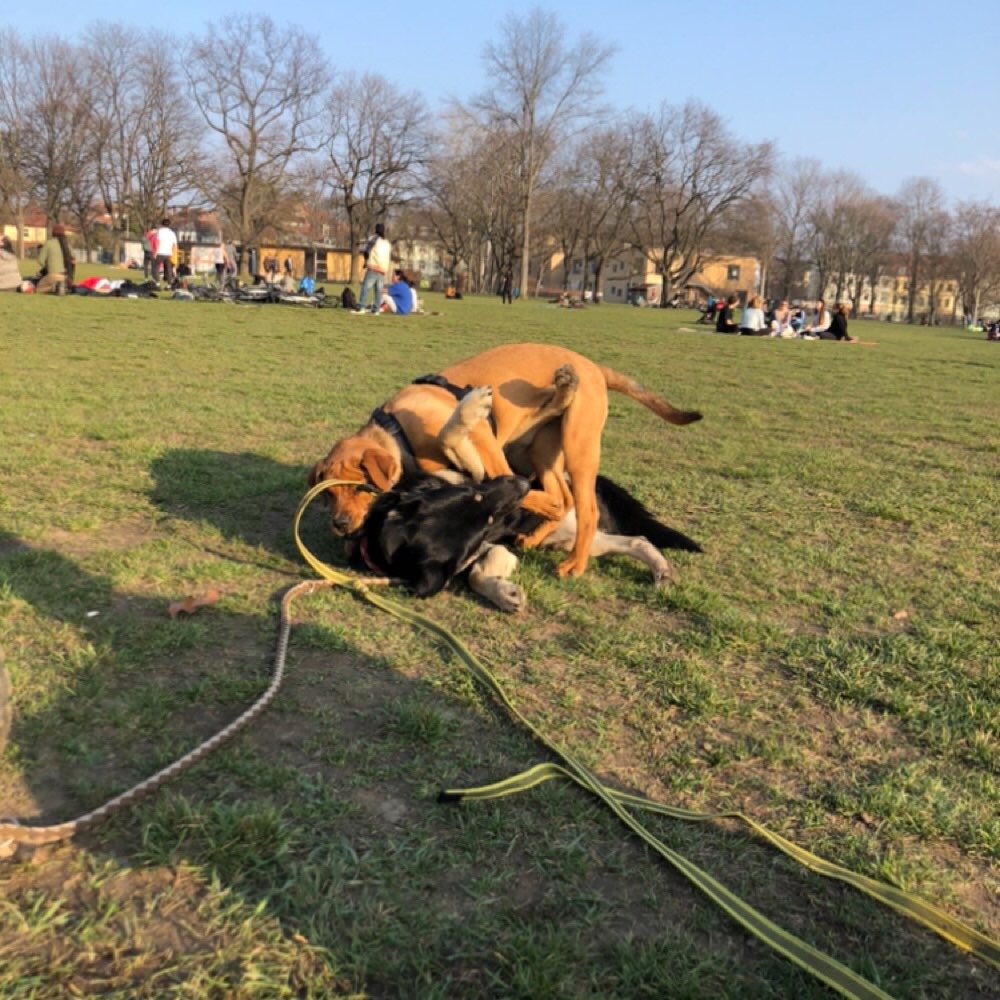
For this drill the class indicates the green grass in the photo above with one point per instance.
(830, 665)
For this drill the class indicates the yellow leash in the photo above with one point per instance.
(820, 965)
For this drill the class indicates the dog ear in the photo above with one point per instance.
(380, 468)
(317, 473)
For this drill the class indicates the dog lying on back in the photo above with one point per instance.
(425, 532)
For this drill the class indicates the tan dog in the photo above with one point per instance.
(528, 387)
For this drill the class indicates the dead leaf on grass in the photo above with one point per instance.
(192, 602)
(901, 615)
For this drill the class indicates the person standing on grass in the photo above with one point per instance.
(377, 258)
(148, 251)
(507, 287)
(166, 248)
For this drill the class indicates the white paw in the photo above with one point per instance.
(476, 405)
(509, 596)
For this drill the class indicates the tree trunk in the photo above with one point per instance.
(598, 279)
(911, 292)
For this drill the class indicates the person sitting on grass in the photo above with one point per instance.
(57, 263)
(726, 323)
(10, 276)
(752, 321)
(837, 330)
(781, 325)
(820, 323)
(398, 298)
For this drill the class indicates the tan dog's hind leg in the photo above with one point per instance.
(581, 439)
(546, 457)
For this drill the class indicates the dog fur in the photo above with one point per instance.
(549, 405)
(425, 532)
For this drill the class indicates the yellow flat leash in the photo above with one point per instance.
(818, 964)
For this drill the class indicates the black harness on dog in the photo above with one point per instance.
(442, 383)
(392, 427)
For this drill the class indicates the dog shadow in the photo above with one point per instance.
(246, 497)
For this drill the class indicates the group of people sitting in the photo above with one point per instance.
(781, 321)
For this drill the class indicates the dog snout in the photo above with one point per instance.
(341, 524)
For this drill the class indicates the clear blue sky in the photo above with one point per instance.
(886, 88)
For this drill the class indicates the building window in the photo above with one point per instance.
(733, 272)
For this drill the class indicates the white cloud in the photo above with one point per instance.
(985, 166)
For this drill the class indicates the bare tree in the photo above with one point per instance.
(15, 184)
(975, 252)
(605, 182)
(541, 93)
(920, 209)
(377, 142)
(794, 195)
(691, 172)
(471, 187)
(59, 147)
(876, 225)
(142, 123)
(256, 86)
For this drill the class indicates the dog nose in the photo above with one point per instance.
(340, 523)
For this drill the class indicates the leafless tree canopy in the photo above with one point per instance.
(691, 171)
(975, 255)
(249, 119)
(376, 145)
(257, 87)
(541, 93)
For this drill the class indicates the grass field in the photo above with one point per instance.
(830, 665)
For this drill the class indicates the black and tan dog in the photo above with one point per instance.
(425, 532)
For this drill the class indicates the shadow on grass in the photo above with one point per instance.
(244, 496)
(325, 810)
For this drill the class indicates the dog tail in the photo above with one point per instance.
(622, 514)
(617, 382)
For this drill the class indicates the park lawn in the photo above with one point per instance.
(828, 665)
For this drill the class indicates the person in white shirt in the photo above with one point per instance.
(166, 247)
(752, 322)
(377, 259)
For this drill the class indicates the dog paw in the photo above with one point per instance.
(509, 597)
(541, 503)
(571, 567)
(476, 405)
(566, 377)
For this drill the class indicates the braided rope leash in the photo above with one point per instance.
(12, 834)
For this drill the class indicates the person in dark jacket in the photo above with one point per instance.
(726, 323)
(838, 325)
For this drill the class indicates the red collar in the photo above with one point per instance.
(369, 562)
